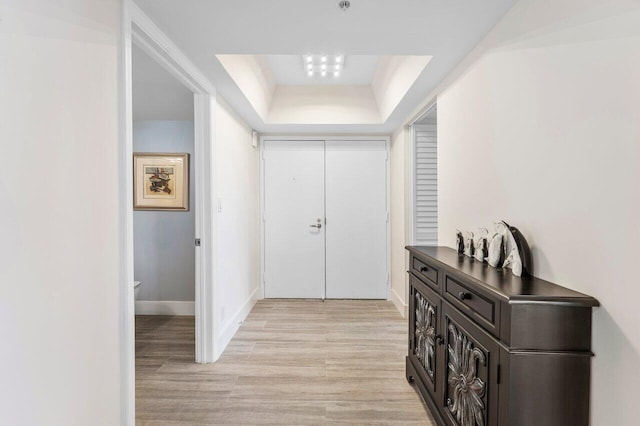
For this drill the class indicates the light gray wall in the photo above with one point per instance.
(164, 241)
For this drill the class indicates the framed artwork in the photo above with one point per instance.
(160, 181)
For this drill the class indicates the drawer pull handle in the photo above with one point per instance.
(439, 340)
(463, 296)
(424, 269)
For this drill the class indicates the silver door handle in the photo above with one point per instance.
(316, 226)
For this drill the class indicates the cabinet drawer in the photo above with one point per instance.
(425, 271)
(480, 307)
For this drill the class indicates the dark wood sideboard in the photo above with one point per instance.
(488, 348)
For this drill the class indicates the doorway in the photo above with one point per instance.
(139, 30)
(163, 135)
(325, 218)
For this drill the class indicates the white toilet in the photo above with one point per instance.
(136, 289)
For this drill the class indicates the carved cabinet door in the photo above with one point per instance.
(470, 388)
(425, 342)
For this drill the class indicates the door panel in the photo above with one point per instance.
(470, 388)
(425, 341)
(356, 212)
(294, 265)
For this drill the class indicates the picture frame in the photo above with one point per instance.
(161, 181)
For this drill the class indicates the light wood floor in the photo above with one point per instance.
(291, 362)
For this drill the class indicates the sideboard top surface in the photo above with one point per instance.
(501, 282)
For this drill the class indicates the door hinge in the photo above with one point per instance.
(198, 242)
(387, 217)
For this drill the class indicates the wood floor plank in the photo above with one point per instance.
(293, 362)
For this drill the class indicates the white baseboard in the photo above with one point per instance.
(232, 326)
(401, 306)
(160, 307)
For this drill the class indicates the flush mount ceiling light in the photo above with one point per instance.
(344, 5)
(322, 64)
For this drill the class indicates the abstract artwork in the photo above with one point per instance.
(161, 181)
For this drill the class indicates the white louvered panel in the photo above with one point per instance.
(426, 184)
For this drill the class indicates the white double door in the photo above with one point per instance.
(325, 219)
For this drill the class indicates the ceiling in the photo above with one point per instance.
(157, 95)
(289, 70)
(444, 30)
(328, 104)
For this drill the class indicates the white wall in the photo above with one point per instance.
(399, 223)
(394, 78)
(540, 127)
(59, 204)
(253, 76)
(237, 185)
(324, 105)
(164, 251)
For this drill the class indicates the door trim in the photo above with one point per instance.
(265, 138)
(139, 29)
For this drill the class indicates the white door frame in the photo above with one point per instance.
(387, 142)
(138, 29)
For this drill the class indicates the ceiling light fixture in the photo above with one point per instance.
(323, 64)
(344, 5)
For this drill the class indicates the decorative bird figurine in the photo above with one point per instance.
(496, 251)
(513, 261)
(525, 266)
(459, 242)
(468, 245)
(481, 245)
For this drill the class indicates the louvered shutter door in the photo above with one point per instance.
(426, 184)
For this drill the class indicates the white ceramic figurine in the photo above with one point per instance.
(481, 245)
(514, 262)
(468, 245)
(495, 250)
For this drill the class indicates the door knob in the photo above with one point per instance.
(317, 225)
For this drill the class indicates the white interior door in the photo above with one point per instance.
(294, 232)
(356, 215)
